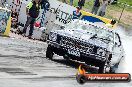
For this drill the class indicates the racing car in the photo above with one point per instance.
(86, 42)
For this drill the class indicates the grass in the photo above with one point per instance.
(116, 8)
(129, 2)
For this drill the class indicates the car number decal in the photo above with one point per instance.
(73, 52)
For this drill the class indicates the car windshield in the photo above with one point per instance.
(101, 33)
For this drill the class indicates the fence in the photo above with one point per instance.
(122, 12)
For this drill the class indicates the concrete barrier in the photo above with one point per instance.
(5, 21)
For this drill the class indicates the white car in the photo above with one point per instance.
(84, 41)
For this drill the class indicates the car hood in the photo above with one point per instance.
(85, 37)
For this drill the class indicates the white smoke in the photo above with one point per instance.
(125, 66)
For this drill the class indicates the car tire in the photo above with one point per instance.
(49, 52)
(114, 68)
(66, 57)
(107, 69)
(103, 68)
(81, 79)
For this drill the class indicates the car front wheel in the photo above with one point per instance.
(81, 79)
(49, 52)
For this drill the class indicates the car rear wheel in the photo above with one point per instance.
(104, 68)
(49, 52)
(114, 68)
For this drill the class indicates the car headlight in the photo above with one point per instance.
(101, 52)
(53, 36)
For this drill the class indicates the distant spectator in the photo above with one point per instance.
(32, 11)
(64, 1)
(103, 8)
(71, 2)
(113, 1)
(81, 3)
(14, 19)
(96, 6)
(2, 3)
(77, 14)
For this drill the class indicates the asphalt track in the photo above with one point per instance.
(23, 64)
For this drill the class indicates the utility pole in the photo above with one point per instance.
(122, 11)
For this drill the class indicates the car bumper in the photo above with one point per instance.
(63, 51)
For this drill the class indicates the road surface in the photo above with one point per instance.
(23, 64)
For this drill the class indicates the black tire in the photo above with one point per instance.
(102, 68)
(81, 79)
(49, 52)
(113, 69)
(66, 57)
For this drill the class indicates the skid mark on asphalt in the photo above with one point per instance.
(34, 60)
(16, 71)
(50, 78)
(37, 67)
(17, 56)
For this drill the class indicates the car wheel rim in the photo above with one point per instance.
(106, 69)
